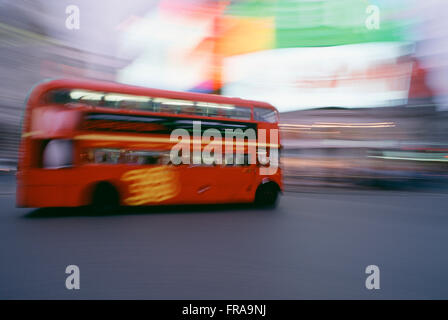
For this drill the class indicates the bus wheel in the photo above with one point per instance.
(267, 195)
(105, 198)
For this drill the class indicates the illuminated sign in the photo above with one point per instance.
(351, 76)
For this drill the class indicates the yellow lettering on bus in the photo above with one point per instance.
(151, 185)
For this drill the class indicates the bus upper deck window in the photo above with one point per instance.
(58, 97)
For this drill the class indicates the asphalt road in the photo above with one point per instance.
(315, 245)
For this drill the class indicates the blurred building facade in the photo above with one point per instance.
(337, 144)
(36, 45)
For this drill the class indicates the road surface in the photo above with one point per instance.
(315, 245)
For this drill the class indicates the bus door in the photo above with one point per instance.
(200, 184)
(237, 180)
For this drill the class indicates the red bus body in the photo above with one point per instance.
(88, 128)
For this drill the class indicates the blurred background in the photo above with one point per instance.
(361, 84)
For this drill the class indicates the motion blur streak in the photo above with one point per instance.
(348, 93)
(362, 91)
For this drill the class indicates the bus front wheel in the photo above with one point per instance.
(267, 195)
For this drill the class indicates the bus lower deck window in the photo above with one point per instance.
(58, 154)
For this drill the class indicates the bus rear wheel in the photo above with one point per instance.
(267, 195)
(105, 198)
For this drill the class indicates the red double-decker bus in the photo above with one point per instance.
(108, 144)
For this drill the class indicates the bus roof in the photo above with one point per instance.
(106, 86)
